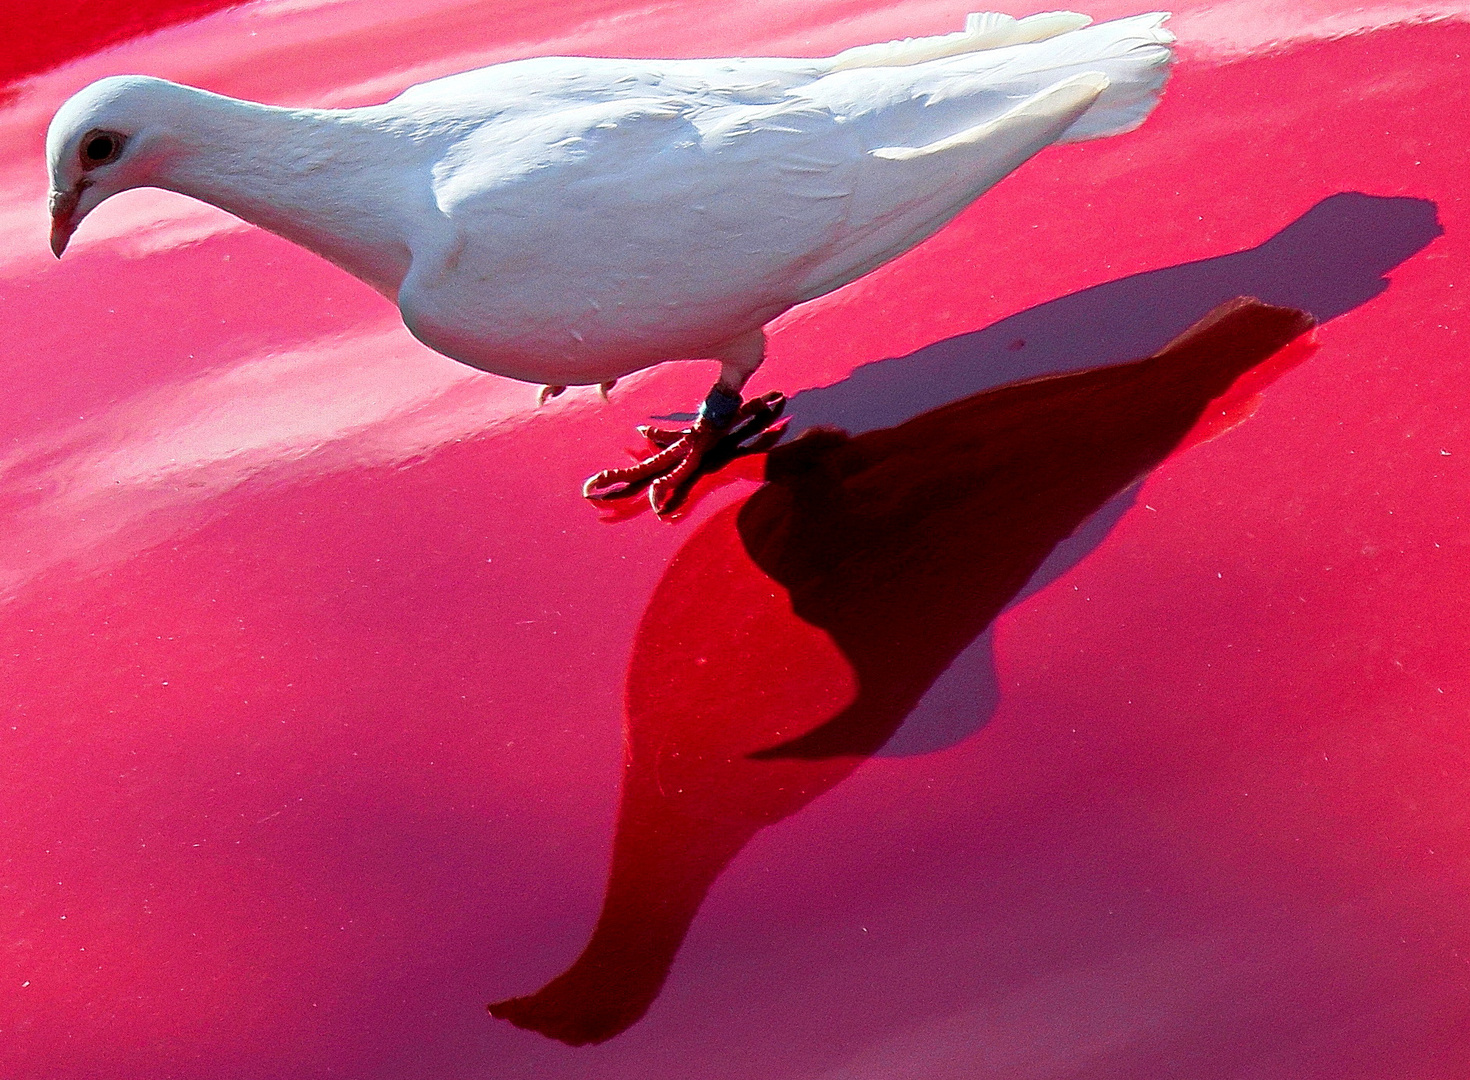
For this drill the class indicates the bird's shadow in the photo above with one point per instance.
(919, 501)
(1327, 262)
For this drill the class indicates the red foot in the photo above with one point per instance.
(683, 450)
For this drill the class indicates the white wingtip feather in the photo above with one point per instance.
(1069, 98)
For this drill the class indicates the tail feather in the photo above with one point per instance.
(914, 97)
(1134, 53)
(1137, 67)
(983, 30)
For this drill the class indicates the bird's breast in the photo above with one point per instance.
(573, 317)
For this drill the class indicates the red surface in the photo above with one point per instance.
(38, 35)
(317, 667)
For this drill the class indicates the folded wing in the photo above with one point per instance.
(696, 200)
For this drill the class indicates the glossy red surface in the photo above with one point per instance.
(317, 668)
(36, 35)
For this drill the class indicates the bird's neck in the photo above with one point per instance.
(337, 182)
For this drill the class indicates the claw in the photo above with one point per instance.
(765, 440)
(610, 483)
(757, 414)
(665, 491)
(546, 393)
(661, 437)
(681, 453)
(603, 388)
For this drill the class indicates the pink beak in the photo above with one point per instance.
(63, 207)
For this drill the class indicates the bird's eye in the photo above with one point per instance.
(100, 147)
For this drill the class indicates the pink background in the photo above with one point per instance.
(314, 660)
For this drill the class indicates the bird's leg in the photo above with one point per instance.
(724, 420)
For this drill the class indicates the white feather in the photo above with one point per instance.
(568, 220)
(983, 30)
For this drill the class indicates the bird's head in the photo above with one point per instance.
(107, 138)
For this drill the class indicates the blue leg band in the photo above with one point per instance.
(719, 408)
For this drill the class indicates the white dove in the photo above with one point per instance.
(566, 220)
